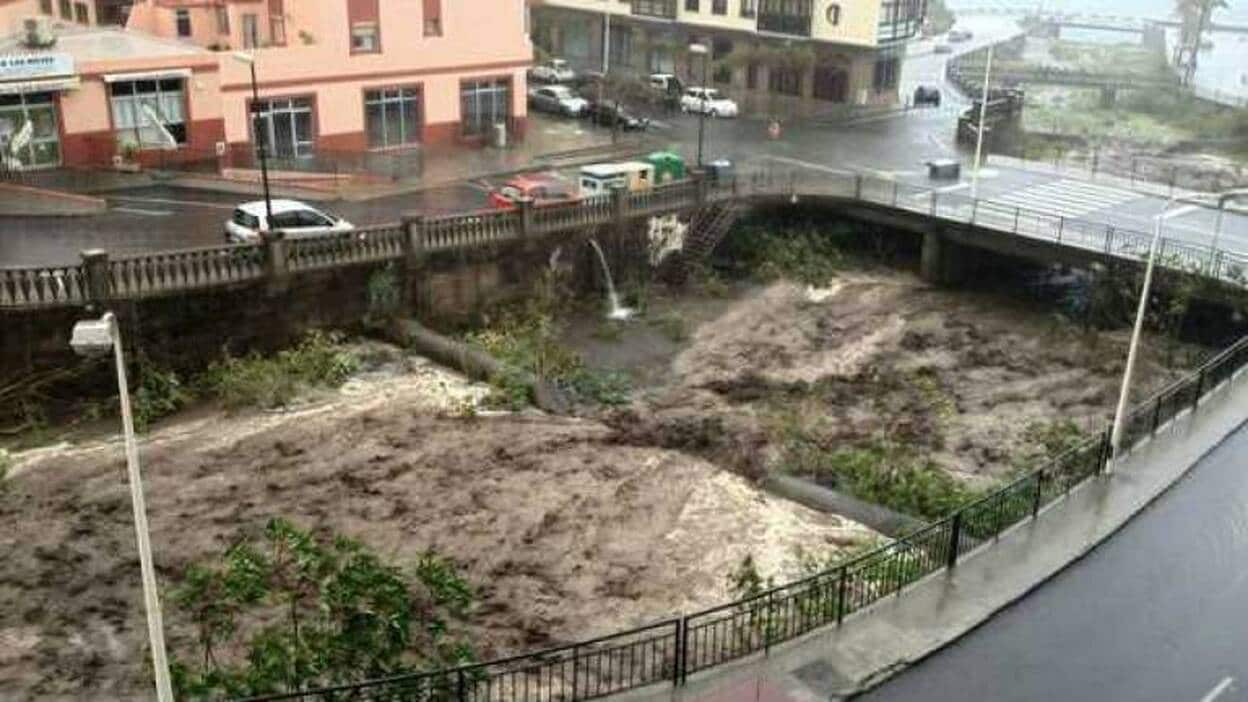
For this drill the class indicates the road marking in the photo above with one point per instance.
(945, 189)
(811, 166)
(1179, 212)
(168, 201)
(1217, 691)
(138, 211)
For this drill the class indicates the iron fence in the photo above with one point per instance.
(669, 651)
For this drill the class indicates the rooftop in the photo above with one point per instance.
(88, 44)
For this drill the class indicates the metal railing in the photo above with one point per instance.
(669, 651)
(174, 271)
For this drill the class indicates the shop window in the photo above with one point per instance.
(364, 16)
(183, 18)
(392, 117)
(484, 103)
(67, 9)
(223, 19)
(43, 149)
(148, 113)
(785, 81)
(433, 18)
(82, 15)
(251, 31)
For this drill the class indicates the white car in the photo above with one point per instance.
(558, 99)
(296, 219)
(708, 101)
(553, 71)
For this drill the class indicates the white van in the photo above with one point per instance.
(598, 178)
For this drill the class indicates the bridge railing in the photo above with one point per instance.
(669, 651)
(43, 286)
(165, 272)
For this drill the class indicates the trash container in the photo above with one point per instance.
(944, 169)
(500, 134)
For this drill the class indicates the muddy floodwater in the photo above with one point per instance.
(570, 527)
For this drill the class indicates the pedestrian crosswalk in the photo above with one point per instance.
(1067, 198)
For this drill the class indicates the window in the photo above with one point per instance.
(433, 18)
(66, 8)
(223, 19)
(751, 76)
(43, 149)
(146, 113)
(785, 16)
(834, 14)
(251, 31)
(287, 127)
(81, 14)
(249, 221)
(184, 22)
(886, 71)
(784, 80)
(691, 5)
(484, 103)
(392, 117)
(364, 39)
(719, 7)
(277, 23)
(45, 6)
(364, 17)
(748, 8)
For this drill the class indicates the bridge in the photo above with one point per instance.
(942, 219)
(1091, 20)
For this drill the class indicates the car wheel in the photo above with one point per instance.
(713, 113)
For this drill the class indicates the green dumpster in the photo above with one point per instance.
(668, 166)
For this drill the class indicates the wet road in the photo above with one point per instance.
(896, 146)
(1157, 613)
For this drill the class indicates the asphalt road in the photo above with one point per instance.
(1157, 613)
(896, 146)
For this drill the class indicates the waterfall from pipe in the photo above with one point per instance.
(617, 310)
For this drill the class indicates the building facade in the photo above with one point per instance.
(332, 77)
(784, 52)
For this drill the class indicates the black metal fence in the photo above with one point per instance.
(668, 652)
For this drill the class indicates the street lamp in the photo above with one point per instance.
(983, 116)
(261, 135)
(701, 50)
(1158, 222)
(1224, 198)
(94, 338)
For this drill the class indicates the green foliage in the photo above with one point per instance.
(273, 381)
(880, 471)
(383, 293)
(160, 393)
(291, 612)
(805, 254)
(744, 581)
(1047, 439)
(673, 326)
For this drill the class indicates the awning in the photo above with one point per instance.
(147, 75)
(22, 87)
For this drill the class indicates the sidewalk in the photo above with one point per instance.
(836, 663)
(19, 200)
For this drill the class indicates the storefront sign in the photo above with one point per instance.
(28, 66)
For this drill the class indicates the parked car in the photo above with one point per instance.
(708, 101)
(558, 99)
(927, 95)
(667, 89)
(296, 219)
(544, 188)
(555, 70)
(611, 113)
(961, 35)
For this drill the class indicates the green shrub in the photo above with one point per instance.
(672, 325)
(802, 253)
(291, 611)
(160, 393)
(273, 381)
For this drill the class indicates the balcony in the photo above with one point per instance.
(661, 9)
(785, 17)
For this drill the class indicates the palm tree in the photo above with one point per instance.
(1194, 15)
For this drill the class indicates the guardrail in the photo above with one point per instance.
(669, 651)
(101, 279)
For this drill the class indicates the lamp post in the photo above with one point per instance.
(983, 116)
(1132, 350)
(261, 136)
(94, 338)
(701, 50)
(1223, 199)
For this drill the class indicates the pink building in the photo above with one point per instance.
(333, 76)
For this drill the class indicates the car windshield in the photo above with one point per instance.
(243, 219)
